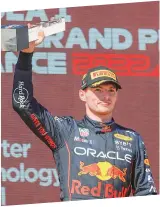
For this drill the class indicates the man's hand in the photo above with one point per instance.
(33, 44)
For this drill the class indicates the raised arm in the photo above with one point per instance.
(36, 117)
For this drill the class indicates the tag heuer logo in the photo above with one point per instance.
(84, 132)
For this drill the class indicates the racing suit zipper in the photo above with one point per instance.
(106, 137)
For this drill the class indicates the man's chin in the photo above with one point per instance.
(104, 112)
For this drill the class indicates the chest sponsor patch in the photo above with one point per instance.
(123, 137)
(109, 190)
(111, 155)
(84, 132)
(79, 139)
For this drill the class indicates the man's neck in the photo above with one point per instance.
(98, 117)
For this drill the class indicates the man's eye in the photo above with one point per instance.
(98, 89)
(112, 91)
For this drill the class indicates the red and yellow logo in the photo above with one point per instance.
(146, 161)
(103, 171)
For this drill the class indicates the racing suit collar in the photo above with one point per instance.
(100, 127)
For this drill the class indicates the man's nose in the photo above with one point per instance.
(106, 95)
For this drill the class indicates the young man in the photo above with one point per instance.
(95, 157)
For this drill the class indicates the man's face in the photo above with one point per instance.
(101, 99)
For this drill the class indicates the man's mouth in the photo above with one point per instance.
(105, 103)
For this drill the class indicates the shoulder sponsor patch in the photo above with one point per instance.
(146, 161)
(123, 137)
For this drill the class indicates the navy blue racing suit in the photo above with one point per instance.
(93, 159)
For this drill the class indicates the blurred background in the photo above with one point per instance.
(123, 37)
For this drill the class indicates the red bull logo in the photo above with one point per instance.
(108, 192)
(103, 171)
(92, 169)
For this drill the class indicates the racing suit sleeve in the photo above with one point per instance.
(36, 117)
(142, 179)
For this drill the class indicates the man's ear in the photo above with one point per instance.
(117, 95)
(82, 95)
